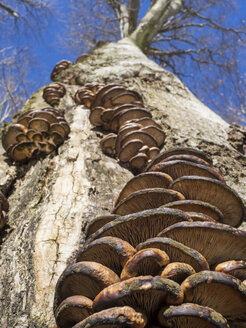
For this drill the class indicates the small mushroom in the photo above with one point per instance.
(73, 310)
(138, 163)
(129, 150)
(108, 144)
(53, 93)
(192, 316)
(9, 137)
(115, 317)
(235, 268)
(177, 271)
(83, 278)
(149, 261)
(59, 67)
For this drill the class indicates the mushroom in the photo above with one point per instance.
(217, 242)
(145, 293)
(9, 137)
(178, 168)
(59, 67)
(83, 278)
(138, 163)
(214, 192)
(200, 217)
(95, 116)
(220, 291)
(177, 271)
(197, 206)
(192, 316)
(177, 252)
(97, 101)
(235, 268)
(180, 151)
(129, 150)
(73, 310)
(151, 223)
(157, 133)
(144, 181)
(112, 252)
(146, 199)
(184, 157)
(99, 222)
(108, 144)
(53, 93)
(115, 317)
(149, 261)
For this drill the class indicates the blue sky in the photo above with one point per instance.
(47, 49)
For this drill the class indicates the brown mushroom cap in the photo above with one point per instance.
(146, 121)
(126, 97)
(184, 157)
(235, 268)
(220, 291)
(214, 192)
(115, 317)
(99, 222)
(108, 144)
(39, 124)
(188, 205)
(110, 251)
(151, 223)
(23, 151)
(97, 101)
(192, 316)
(149, 261)
(217, 242)
(180, 151)
(144, 181)
(9, 137)
(138, 163)
(83, 278)
(60, 66)
(146, 138)
(177, 271)
(73, 310)
(157, 133)
(177, 252)
(200, 217)
(123, 131)
(95, 116)
(57, 127)
(178, 168)
(121, 118)
(146, 293)
(129, 150)
(146, 199)
(152, 152)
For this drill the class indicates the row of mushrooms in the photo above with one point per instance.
(134, 137)
(170, 254)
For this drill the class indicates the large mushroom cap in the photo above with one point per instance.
(144, 181)
(214, 192)
(97, 101)
(110, 251)
(198, 206)
(149, 261)
(146, 293)
(192, 316)
(73, 310)
(115, 317)
(177, 271)
(177, 252)
(180, 151)
(83, 278)
(145, 137)
(146, 199)
(216, 242)
(9, 137)
(151, 223)
(179, 168)
(220, 291)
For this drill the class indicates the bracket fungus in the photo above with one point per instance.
(59, 67)
(35, 133)
(53, 93)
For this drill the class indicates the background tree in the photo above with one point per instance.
(199, 41)
(53, 199)
(21, 21)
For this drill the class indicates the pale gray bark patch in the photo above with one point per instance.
(55, 198)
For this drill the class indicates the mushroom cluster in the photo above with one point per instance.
(35, 133)
(134, 137)
(164, 257)
(53, 93)
(59, 67)
(4, 206)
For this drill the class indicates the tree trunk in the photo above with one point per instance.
(53, 199)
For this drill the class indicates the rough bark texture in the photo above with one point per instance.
(53, 199)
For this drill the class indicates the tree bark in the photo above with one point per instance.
(53, 199)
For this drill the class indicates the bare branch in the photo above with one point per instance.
(152, 22)
(122, 15)
(133, 10)
(9, 10)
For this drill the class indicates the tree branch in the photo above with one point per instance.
(9, 10)
(122, 15)
(133, 10)
(152, 22)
